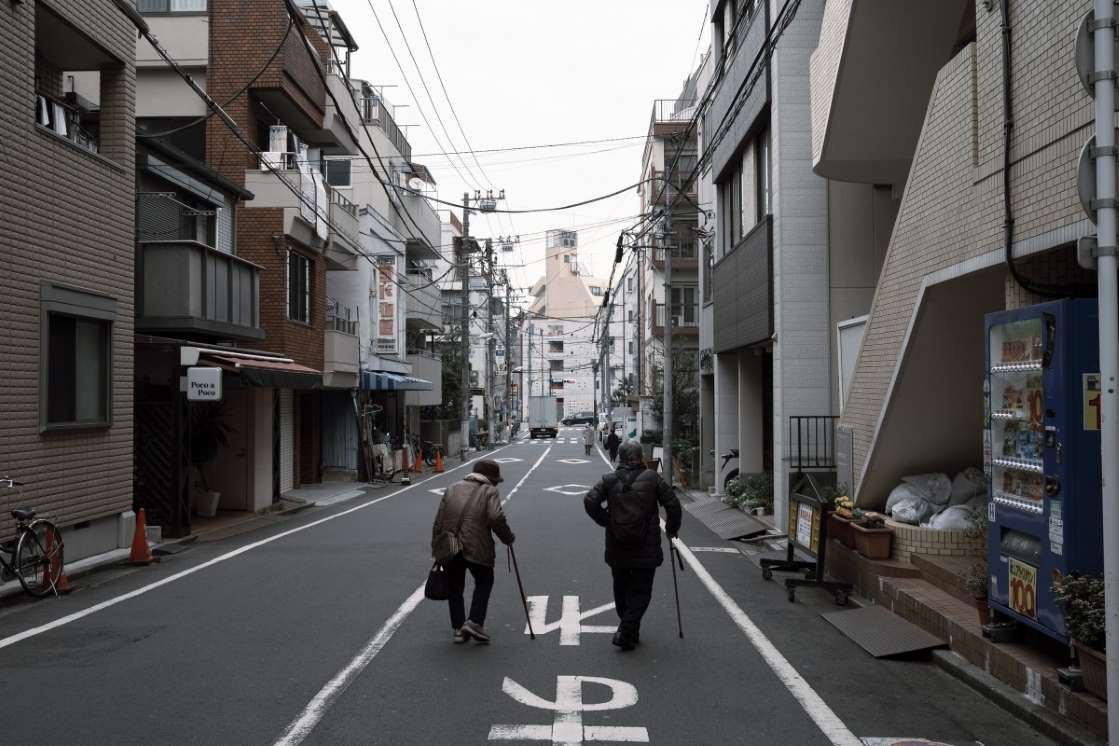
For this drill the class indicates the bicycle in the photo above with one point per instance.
(35, 556)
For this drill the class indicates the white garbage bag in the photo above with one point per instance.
(967, 484)
(936, 488)
(903, 492)
(953, 518)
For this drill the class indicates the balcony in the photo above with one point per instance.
(422, 244)
(274, 185)
(334, 136)
(871, 77)
(424, 304)
(683, 256)
(374, 111)
(685, 321)
(743, 291)
(426, 367)
(671, 115)
(291, 88)
(340, 347)
(187, 287)
(345, 246)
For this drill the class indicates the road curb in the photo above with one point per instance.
(1046, 721)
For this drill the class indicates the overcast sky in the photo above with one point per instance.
(528, 72)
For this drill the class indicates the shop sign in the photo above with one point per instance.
(1091, 401)
(1023, 588)
(203, 384)
(386, 305)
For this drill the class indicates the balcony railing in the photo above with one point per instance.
(683, 317)
(672, 110)
(65, 120)
(340, 318)
(424, 308)
(684, 251)
(374, 111)
(343, 222)
(171, 6)
(313, 203)
(189, 287)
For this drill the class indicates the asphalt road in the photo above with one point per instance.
(312, 630)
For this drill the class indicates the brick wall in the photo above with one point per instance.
(952, 207)
(236, 55)
(68, 220)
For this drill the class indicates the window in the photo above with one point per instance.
(555, 365)
(629, 283)
(629, 315)
(596, 291)
(743, 193)
(75, 360)
(555, 330)
(299, 287)
(555, 346)
(764, 174)
(171, 6)
(708, 267)
(338, 172)
(630, 350)
(684, 306)
(567, 258)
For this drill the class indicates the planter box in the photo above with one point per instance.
(873, 543)
(1093, 667)
(839, 528)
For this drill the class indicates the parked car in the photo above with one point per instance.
(579, 418)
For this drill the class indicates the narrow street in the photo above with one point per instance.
(315, 631)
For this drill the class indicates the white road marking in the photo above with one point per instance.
(507, 460)
(572, 461)
(75, 616)
(338, 498)
(317, 707)
(718, 550)
(438, 491)
(580, 489)
(531, 469)
(812, 703)
(570, 624)
(567, 726)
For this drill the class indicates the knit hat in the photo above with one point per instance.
(489, 469)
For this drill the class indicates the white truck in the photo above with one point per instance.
(542, 419)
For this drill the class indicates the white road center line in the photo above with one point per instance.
(812, 703)
(313, 713)
(302, 726)
(75, 616)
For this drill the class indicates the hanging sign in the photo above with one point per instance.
(203, 384)
(386, 305)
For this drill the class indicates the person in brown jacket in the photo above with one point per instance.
(477, 495)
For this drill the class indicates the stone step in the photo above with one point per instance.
(946, 573)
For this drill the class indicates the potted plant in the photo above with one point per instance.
(1082, 600)
(873, 538)
(975, 583)
(208, 433)
(752, 493)
(839, 521)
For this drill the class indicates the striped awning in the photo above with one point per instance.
(378, 380)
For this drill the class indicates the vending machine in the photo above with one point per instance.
(1042, 457)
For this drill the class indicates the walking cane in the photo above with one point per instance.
(673, 557)
(521, 588)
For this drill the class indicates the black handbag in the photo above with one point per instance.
(438, 586)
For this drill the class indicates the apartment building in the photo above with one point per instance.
(67, 315)
(617, 342)
(559, 328)
(908, 101)
(769, 262)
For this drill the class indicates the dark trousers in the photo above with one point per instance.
(483, 584)
(633, 589)
(614, 454)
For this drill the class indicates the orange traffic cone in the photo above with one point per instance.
(62, 585)
(438, 462)
(141, 554)
(418, 467)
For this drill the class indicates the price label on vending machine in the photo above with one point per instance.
(1091, 401)
(1023, 588)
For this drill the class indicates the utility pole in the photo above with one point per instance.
(1104, 35)
(667, 424)
(491, 343)
(508, 360)
(463, 259)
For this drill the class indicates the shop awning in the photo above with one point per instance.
(257, 370)
(378, 380)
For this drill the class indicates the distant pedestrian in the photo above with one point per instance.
(625, 504)
(475, 502)
(588, 437)
(612, 444)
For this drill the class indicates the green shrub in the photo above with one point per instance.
(1082, 600)
(750, 491)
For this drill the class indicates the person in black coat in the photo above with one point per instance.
(625, 503)
(612, 444)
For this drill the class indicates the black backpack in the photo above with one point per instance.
(629, 518)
